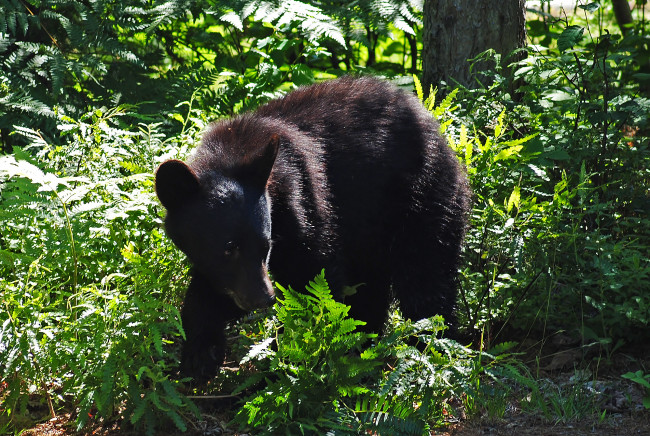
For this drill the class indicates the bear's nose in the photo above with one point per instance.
(255, 295)
(268, 301)
(266, 298)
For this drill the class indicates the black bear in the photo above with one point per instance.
(350, 175)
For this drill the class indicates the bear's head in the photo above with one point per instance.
(221, 219)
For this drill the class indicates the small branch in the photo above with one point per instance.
(50, 404)
(605, 99)
(468, 311)
(519, 301)
(42, 27)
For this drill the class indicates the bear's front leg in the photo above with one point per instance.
(205, 315)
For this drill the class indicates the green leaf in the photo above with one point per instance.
(638, 377)
(559, 95)
(173, 396)
(591, 7)
(570, 37)
(498, 129)
(514, 200)
(157, 339)
(557, 154)
(502, 348)
(178, 420)
(644, 77)
(301, 75)
(508, 153)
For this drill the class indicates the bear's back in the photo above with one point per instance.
(351, 112)
(372, 139)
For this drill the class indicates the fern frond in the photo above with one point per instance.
(233, 19)
(344, 328)
(139, 410)
(384, 416)
(178, 421)
(418, 88)
(385, 423)
(502, 347)
(85, 404)
(22, 102)
(259, 351)
(156, 337)
(445, 104)
(105, 395)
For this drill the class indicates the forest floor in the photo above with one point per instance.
(626, 423)
(608, 405)
(637, 424)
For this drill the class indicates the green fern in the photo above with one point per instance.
(56, 56)
(312, 365)
(324, 377)
(104, 337)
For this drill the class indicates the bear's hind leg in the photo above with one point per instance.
(424, 271)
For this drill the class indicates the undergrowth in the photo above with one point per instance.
(317, 373)
(559, 170)
(90, 287)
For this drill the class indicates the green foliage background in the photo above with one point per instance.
(93, 95)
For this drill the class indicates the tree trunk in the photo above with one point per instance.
(413, 46)
(457, 30)
(623, 15)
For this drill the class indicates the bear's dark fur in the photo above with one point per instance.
(350, 175)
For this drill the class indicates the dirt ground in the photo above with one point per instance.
(637, 424)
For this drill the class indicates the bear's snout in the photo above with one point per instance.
(267, 300)
(261, 301)
(257, 294)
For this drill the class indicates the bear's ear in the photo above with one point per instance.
(176, 183)
(258, 170)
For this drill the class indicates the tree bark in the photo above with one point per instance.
(457, 30)
(623, 15)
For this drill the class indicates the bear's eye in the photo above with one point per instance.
(230, 249)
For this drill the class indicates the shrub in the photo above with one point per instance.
(89, 284)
